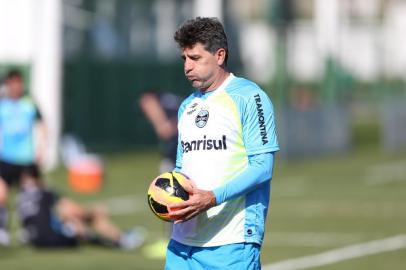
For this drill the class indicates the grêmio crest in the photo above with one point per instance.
(201, 118)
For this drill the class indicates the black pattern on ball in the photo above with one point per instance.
(163, 183)
(156, 206)
(179, 191)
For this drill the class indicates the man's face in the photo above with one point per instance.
(15, 87)
(201, 66)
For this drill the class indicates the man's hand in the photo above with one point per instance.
(199, 201)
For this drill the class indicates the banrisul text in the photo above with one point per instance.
(205, 144)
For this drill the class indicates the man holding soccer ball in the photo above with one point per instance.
(226, 146)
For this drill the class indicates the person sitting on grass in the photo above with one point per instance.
(49, 220)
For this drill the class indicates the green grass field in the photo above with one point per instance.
(317, 205)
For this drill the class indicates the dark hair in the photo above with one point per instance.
(207, 31)
(13, 73)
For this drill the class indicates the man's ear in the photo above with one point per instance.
(220, 56)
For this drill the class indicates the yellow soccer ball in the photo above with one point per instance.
(165, 189)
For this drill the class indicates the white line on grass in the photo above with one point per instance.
(385, 173)
(341, 254)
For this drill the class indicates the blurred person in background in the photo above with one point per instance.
(227, 141)
(2, 89)
(161, 110)
(19, 118)
(49, 220)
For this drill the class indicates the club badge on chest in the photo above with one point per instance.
(202, 117)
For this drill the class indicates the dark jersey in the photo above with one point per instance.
(35, 208)
(170, 104)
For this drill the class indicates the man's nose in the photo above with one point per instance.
(188, 66)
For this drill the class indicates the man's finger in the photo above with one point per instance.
(183, 204)
(190, 189)
(173, 213)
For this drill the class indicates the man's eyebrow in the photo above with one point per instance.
(191, 55)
